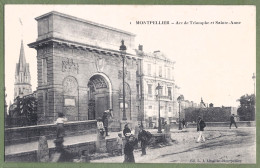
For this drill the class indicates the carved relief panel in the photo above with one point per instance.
(70, 86)
(127, 74)
(69, 65)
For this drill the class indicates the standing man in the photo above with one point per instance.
(142, 136)
(184, 123)
(200, 128)
(105, 121)
(232, 121)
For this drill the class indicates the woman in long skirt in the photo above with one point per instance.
(129, 149)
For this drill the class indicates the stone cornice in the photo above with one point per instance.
(76, 45)
(23, 84)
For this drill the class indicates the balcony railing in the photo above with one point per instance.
(150, 96)
(166, 97)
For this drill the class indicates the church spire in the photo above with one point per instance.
(22, 61)
(22, 85)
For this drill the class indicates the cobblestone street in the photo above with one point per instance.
(222, 145)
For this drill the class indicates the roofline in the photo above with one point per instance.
(163, 59)
(83, 20)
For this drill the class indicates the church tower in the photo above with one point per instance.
(22, 85)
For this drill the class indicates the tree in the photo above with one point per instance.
(24, 112)
(246, 110)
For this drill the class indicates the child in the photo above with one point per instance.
(60, 125)
(120, 144)
(100, 126)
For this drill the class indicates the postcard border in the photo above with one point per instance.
(123, 2)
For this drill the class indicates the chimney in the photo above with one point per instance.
(140, 47)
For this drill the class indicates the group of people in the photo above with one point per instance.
(132, 141)
(102, 123)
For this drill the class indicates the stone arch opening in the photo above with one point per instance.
(99, 95)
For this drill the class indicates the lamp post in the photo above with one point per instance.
(123, 54)
(179, 99)
(253, 77)
(159, 120)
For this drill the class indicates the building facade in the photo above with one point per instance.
(22, 85)
(80, 70)
(157, 69)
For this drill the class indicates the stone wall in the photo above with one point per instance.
(32, 133)
(212, 114)
(76, 149)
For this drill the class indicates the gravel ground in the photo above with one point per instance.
(222, 145)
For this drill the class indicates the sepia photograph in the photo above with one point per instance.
(130, 84)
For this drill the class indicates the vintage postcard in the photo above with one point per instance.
(130, 84)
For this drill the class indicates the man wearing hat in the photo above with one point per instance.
(143, 137)
(105, 121)
(126, 130)
(200, 128)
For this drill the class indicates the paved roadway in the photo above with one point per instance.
(223, 145)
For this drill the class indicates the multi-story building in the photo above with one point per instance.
(157, 69)
(22, 85)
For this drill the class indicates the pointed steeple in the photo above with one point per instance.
(22, 61)
(22, 76)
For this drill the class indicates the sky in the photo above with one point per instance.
(215, 62)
